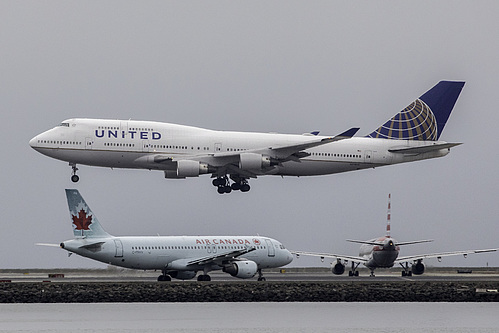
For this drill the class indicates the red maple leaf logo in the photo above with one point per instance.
(82, 222)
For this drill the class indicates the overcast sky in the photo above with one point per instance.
(269, 66)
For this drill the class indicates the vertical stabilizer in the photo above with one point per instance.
(425, 118)
(84, 222)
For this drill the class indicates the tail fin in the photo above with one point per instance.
(85, 223)
(425, 118)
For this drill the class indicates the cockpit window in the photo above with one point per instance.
(64, 124)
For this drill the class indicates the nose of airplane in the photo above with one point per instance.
(33, 142)
(288, 257)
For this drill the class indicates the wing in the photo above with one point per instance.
(440, 255)
(218, 258)
(228, 162)
(329, 255)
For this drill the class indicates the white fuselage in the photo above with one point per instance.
(380, 256)
(134, 144)
(174, 252)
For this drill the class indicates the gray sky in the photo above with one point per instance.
(280, 66)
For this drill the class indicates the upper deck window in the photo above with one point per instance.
(64, 124)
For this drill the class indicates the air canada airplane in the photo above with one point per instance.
(382, 252)
(234, 157)
(179, 257)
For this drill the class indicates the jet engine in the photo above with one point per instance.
(182, 275)
(252, 161)
(417, 268)
(187, 168)
(244, 269)
(338, 268)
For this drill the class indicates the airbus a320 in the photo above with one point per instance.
(179, 257)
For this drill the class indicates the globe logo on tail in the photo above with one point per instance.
(415, 122)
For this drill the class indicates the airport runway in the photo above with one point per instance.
(292, 274)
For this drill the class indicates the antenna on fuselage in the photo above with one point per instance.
(388, 216)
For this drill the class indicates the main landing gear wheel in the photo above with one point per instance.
(164, 277)
(204, 277)
(223, 185)
(74, 177)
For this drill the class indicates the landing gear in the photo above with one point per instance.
(224, 186)
(204, 277)
(407, 271)
(354, 271)
(260, 276)
(372, 273)
(164, 277)
(74, 177)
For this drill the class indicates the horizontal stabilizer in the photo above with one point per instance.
(422, 149)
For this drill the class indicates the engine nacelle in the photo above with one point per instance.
(338, 268)
(252, 161)
(244, 269)
(417, 268)
(187, 168)
(182, 275)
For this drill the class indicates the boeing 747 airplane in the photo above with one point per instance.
(179, 257)
(234, 157)
(382, 252)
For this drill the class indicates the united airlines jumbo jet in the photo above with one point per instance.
(179, 257)
(234, 157)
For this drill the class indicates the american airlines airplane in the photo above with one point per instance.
(382, 252)
(234, 157)
(179, 257)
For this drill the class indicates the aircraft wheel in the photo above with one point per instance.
(409, 273)
(164, 278)
(218, 181)
(245, 188)
(204, 277)
(236, 186)
(75, 178)
(356, 273)
(350, 273)
(404, 273)
(262, 279)
(221, 189)
(227, 189)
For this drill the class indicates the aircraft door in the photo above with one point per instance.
(145, 146)
(88, 143)
(119, 248)
(368, 157)
(270, 248)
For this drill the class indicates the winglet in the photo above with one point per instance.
(349, 133)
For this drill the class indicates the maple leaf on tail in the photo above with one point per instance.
(82, 222)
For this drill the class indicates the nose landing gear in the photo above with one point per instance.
(74, 177)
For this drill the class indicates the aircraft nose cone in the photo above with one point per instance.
(33, 142)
